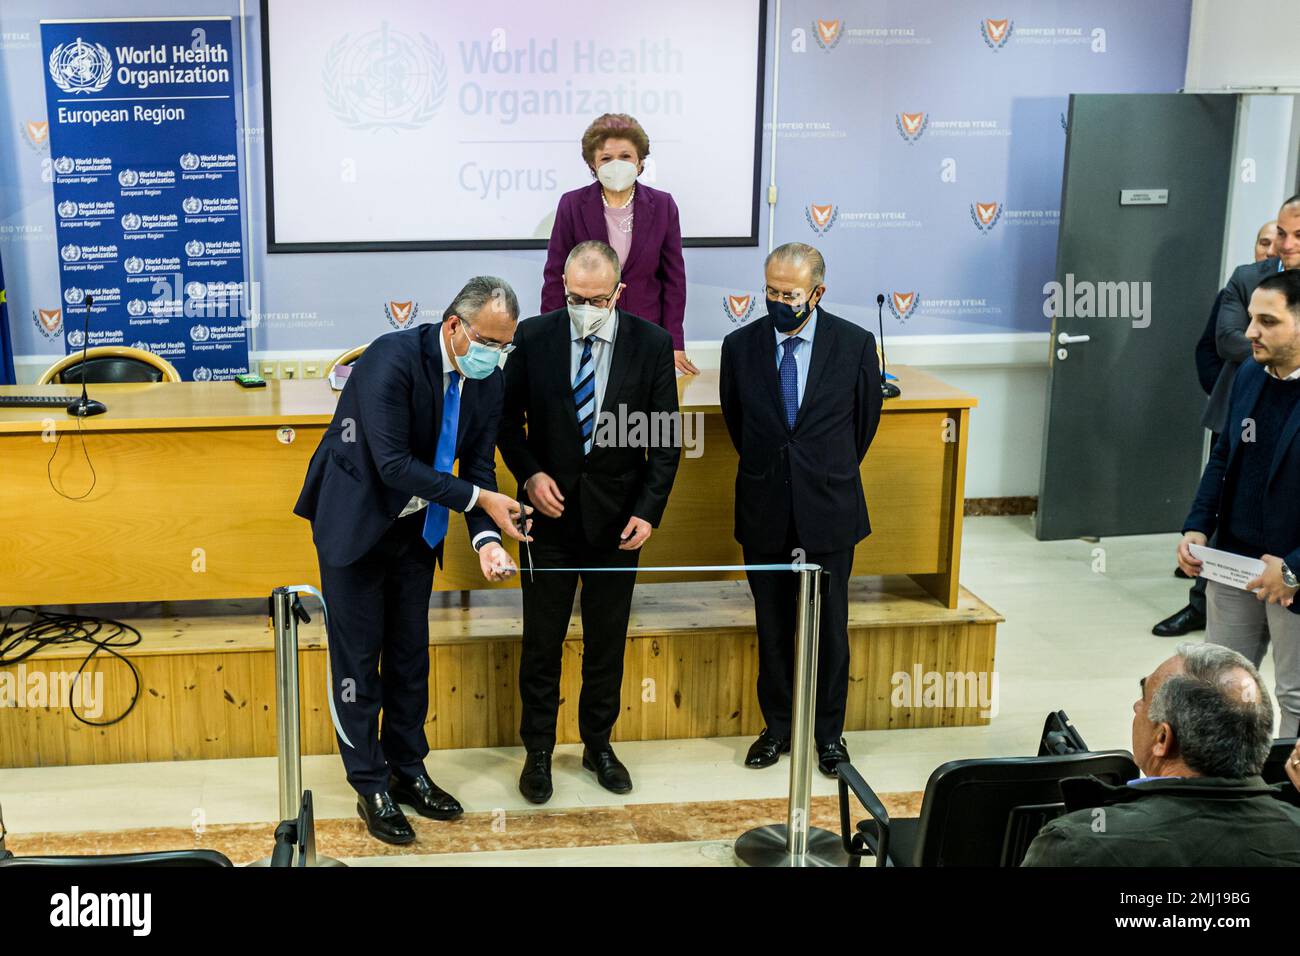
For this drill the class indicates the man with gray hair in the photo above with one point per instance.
(600, 490)
(379, 492)
(801, 398)
(1202, 729)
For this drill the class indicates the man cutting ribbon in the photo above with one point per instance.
(379, 493)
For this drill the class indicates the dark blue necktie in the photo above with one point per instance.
(789, 381)
(435, 518)
(584, 395)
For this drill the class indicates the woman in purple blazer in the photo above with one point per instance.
(639, 222)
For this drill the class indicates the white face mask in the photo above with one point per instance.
(617, 174)
(587, 319)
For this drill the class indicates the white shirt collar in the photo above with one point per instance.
(447, 365)
(1290, 378)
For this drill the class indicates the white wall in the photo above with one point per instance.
(1243, 44)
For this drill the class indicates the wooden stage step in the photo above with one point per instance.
(208, 690)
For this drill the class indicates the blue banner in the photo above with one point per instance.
(148, 218)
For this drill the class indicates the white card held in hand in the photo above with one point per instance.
(1226, 567)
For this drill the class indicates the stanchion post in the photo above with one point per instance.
(796, 843)
(288, 721)
(288, 715)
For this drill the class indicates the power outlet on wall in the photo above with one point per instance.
(290, 370)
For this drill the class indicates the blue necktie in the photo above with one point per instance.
(435, 518)
(789, 381)
(584, 395)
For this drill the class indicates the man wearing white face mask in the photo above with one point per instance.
(579, 377)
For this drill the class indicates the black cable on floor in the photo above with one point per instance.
(46, 629)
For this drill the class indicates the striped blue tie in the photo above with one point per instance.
(584, 395)
(789, 381)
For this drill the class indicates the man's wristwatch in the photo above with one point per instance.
(1289, 578)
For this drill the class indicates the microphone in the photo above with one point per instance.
(85, 406)
(887, 388)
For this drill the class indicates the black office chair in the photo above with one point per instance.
(166, 858)
(110, 364)
(1275, 765)
(981, 812)
(295, 840)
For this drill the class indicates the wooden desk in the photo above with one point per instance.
(194, 490)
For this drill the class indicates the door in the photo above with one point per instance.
(1143, 215)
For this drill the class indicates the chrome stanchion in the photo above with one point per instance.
(795, 843)
(285, 610)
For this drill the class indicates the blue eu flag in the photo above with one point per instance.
(7, 376)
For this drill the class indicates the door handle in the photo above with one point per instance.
(1065, 338)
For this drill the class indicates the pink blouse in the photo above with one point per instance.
(615, 220)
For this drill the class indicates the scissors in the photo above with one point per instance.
(523, 529)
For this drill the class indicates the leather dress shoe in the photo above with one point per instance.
(424, 796)
(535, 781)
(829, 756)
(766, 750)
(1180, 622)
(610, 772)
(384, 819)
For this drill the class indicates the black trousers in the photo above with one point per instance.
(379, 654)
(776, 600)
(1196, 593)
(605, 602)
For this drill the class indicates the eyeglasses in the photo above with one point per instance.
(599, 301)
(499, 347)
(789, 298)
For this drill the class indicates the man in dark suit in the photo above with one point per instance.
(1248, 496)
(1221, 351)
(800, 392)
(577, 377)
(378, 492)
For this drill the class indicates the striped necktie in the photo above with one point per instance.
(584, 395)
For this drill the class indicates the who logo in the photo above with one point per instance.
(81, 67)
(384, 79)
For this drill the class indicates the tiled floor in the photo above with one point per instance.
(1077, 637)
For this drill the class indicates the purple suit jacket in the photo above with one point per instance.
(654, 273)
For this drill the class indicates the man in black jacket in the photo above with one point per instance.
(1209, 366)
(378, 493)
(580, 382)
(800, 394)
(1202, 729)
